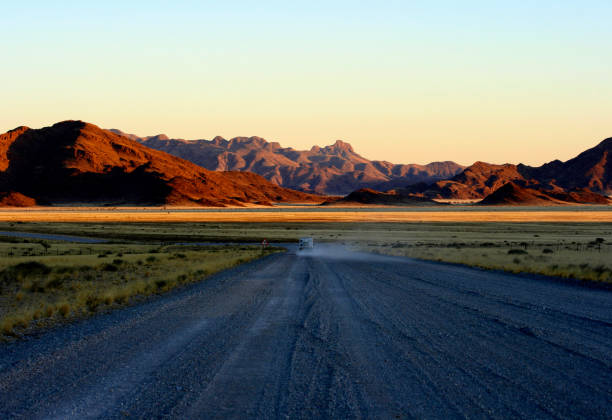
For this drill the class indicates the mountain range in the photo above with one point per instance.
(331, 170)
(589, 172)
(75, 162)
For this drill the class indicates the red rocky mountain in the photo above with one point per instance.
(586, 178)
(76, 162)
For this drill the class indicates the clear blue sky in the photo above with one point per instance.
(402, 81)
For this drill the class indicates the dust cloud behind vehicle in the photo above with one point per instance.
(306, 244)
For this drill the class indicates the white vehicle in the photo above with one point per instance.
(305, 244)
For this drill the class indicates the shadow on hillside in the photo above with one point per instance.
(37, 169)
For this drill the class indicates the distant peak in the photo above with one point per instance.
(19, 130)
(606, 143)
(340, 146)
(72, 124)
(248, 140)
(343, 145)
(159, 137)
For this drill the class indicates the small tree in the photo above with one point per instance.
(45, 245)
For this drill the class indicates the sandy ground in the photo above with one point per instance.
(286, 215)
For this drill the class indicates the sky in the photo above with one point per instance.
(402, 81)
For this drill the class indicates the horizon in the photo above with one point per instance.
(404, 83)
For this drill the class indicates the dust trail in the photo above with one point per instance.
(346, 253)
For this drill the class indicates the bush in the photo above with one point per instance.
(547, 251)
(55, 282)
(63, 269)
(31, 268)
(92, 303)
(151, 258)
(517, 252)
(118, 261)
(110, 267)
(64, 309)
(36, 287)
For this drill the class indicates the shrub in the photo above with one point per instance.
(92, 303)
(118, 261)
(517, 252)
(63, 269)
(30, 268)
(110, 267)
(64, 309)
(55, 282)
(600, 269)
(547, 251)
(36, 287)
(151, 258)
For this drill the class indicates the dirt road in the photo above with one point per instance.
(331, 335)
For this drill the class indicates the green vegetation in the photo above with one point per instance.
(42, 290)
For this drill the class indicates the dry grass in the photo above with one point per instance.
(386, 232)
(36, 292)
(588, 261)
(76, 215)
(81, 278)
(478, 244)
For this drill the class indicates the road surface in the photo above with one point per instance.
(331, 335)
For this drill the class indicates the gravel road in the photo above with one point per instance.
(335, 335)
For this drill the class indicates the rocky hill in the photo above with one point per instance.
(589, 171)
(366, 196)
(513, 194)
(76, 162)
(333, 170)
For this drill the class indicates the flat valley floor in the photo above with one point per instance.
(299, 214)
